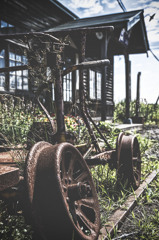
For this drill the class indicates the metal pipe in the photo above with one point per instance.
(84, 65)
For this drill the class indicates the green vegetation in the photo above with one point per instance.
(149, 112)
(13, 227)
(143, 222)
(15, 123)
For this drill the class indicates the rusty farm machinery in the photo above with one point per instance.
(60, 192)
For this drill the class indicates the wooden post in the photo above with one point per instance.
(7, 85)
(128, 84)
(138, 94)
(104, 55)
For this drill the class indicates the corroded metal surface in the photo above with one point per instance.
(83, 207)
(128, 160)
(61, 192)
(103, 158)
(9, 177)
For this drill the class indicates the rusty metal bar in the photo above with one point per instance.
(84, 29)
(83, 108)
(59, 104)
(96, 161)
(30, 34)
(86, 65)
(105, 155)
(48, 115)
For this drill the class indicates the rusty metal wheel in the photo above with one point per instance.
(62, 193)
(128, 160)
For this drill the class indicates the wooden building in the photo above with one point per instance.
(129, 37)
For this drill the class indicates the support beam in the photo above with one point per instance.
(104, 55)
(128, 84)
(138, 94)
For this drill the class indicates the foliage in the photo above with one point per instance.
(149, 112)
(16, 120)
(16, 117)
(77, 126)
(13, 227)
(146, 222)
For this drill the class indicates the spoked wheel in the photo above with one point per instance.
(62, 193)
(128, 160)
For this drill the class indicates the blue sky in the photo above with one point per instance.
(148, 66)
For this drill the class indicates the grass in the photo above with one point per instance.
(143, 222)
(15, 127)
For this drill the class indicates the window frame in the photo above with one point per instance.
(16, 58)
(15, 80)
(67, 87)
(97, 88)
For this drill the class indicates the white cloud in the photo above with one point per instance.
(154, 4)
(84, 8)
(92, 11)
(110, 4)
(82, 3)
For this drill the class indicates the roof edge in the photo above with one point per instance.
(63, 8)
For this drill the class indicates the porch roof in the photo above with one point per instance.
(33, 15)
(132, 22)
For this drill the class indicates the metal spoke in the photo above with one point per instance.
(82, 177)
(63, 170)
(86, 221)
(88, 202)
(71, 166)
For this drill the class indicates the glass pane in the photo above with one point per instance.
(68, 97)
(2, 62)
(2, 58)
(18, 63)
(99, 81)
(12, 73)
(3, 24)
(24, 60)
(92, 84)
(53, 92)
(64, 96)
(11, 56)
(10, 25)
(68, 85)
(19, 73)
(12, 82)
(25, 73)
(2, 54)
(2, 81)
(64, 84)
(25, 84)
(18, 58)
(19, 82)
(11, 63)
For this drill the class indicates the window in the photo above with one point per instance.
(4, 24)
(92, 87)
(99, 82)
(2, 64)
(95, 80)
(18, 79)
(67, 87)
